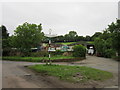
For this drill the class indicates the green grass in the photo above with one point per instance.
(90, 42)
(66, 43)
(35, 59)
(73, 73)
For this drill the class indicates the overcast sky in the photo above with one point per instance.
(85, 18)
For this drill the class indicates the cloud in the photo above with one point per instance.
(61, 17)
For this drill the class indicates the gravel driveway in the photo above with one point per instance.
(101, 63)
(16, 76)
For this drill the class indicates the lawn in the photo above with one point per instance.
(35, 59)
(66, 43)
(90, 42)
(72, 73)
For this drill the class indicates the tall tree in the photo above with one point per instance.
(27, 36)
(5, 33)
(5, 36)
(114, 29)
(100, 46)
(71, 36)
(97, 34)
(88, 38)
(5, 41)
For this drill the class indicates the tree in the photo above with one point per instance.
(105, 35)
(5, 41)
(5, 36)
(28, 36)
(71, 36)
(97, 34)
(87, 38)
(5, 33)
(114, 29)
(100, 46)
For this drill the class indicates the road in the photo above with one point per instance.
(15, 75)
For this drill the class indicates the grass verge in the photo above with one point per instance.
(72, 73)
(39, 59)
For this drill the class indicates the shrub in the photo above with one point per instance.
(15, 52)
(65, 54)
(6, 52)
(109, 53)
(117, 58)
(79, 51)
(57, 52)
(39, 54)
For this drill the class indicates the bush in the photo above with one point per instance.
(15, 52)
(39, 54)
(79, 51)
(68, 53)
(6, 52)
(117, 58)
(57, 52)
(109, 53)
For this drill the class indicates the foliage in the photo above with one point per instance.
(80, 38)
(109, 53)
(5, 41)
(5, 36)
(73, 73)
(79, 51)
(115, 31)
(108, 41)
(6, 52)
(97, 34)
(87, 38)
(57, 52)
(72, 36)
(27, 36)
(39, 54)
(99, 45)
(5, 33)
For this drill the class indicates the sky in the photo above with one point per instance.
(85, 18)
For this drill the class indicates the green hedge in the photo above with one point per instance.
(79, 51)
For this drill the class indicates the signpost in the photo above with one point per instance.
(50, 36)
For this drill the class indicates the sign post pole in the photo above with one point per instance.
(49, 43)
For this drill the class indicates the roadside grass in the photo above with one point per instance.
(72, 73)
(35, 59)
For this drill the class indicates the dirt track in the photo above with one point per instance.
(15, 75)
